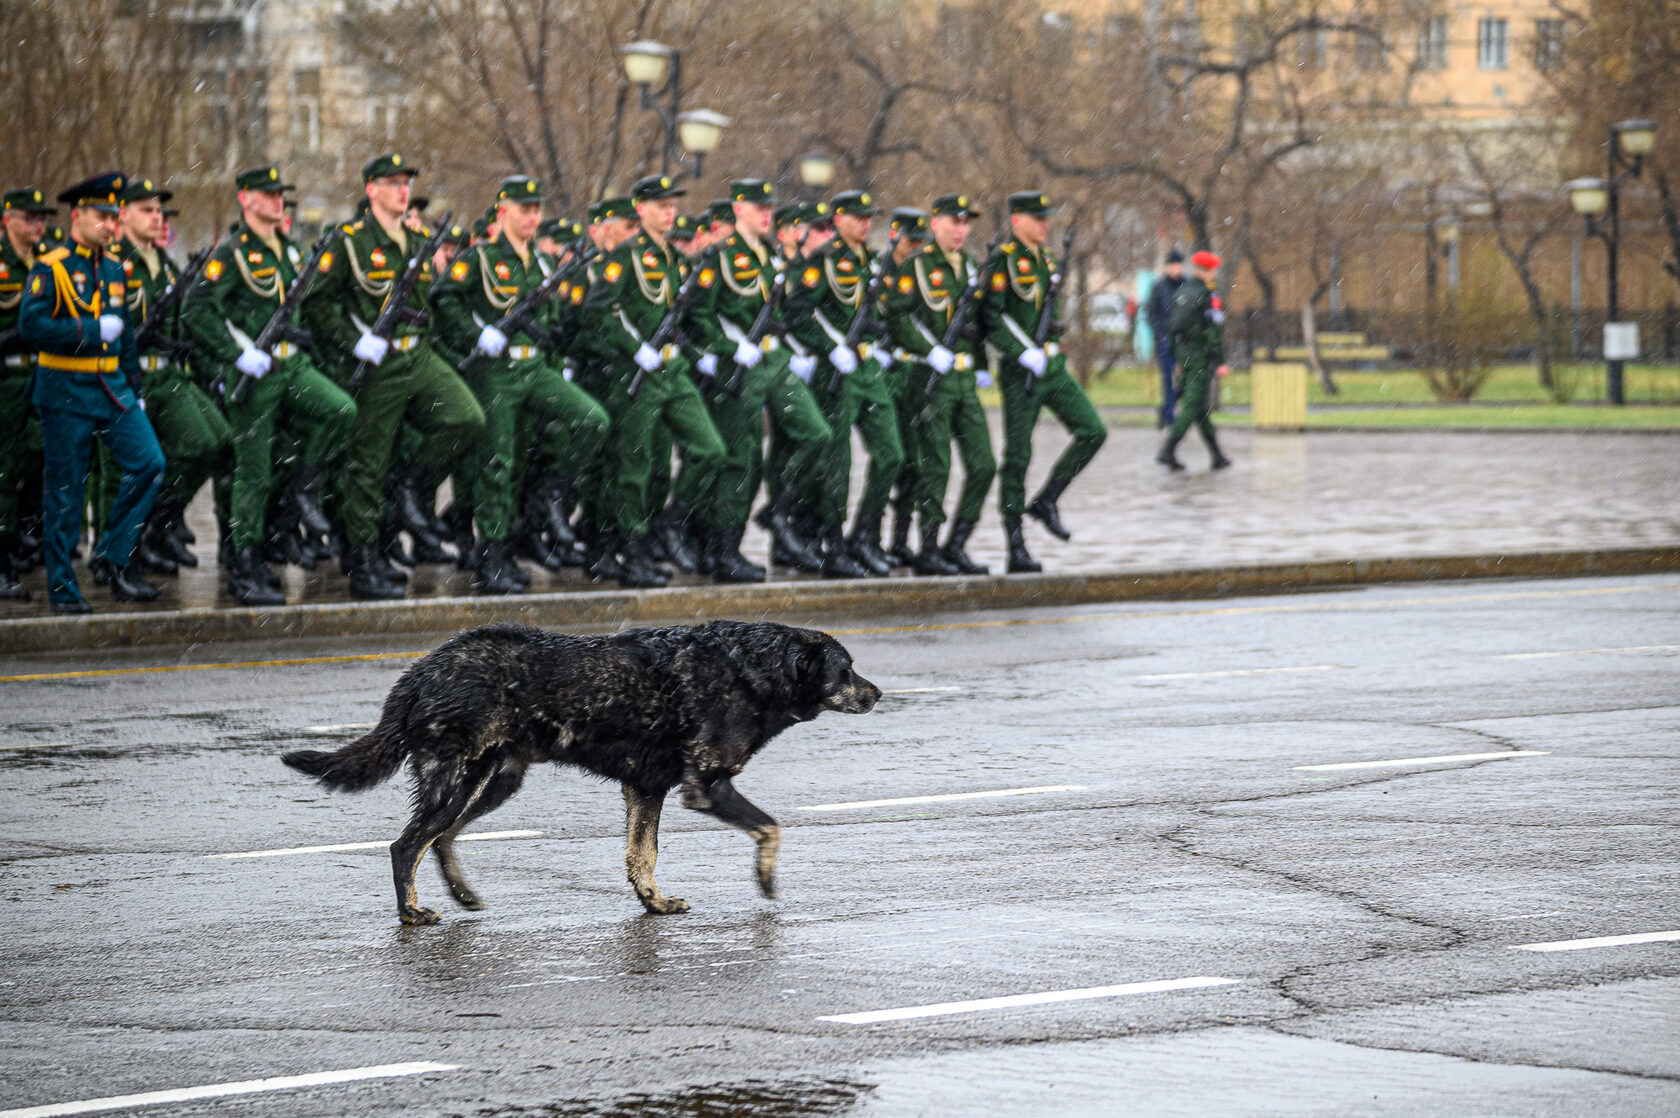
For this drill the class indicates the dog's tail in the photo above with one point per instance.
(369, 760)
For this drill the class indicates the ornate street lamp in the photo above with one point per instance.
(648, 64)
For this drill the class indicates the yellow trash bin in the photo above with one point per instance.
(1279, 394)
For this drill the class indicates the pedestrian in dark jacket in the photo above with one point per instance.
(1159, 307)
(1196, 326)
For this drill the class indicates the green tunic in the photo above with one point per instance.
(1198, 348)
(20, 434)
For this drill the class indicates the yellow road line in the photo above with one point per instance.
(995, 623)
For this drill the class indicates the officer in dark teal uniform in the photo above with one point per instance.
(87, 381)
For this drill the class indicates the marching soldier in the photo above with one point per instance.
(196, 438)
(1032, 376)
(735, 281)
(1195, 326)
(25, 219)
(404, 377)
(87, 380)
(621, 312)
(243, 284)
(683, 236)
(513, 375)
(910, 227)
(920, 305)
(821, 305)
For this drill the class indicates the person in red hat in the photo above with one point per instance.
(1195, 327)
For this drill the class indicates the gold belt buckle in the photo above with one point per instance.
(964, 362)
(1051, 349)
(669, 352)
(769, 343)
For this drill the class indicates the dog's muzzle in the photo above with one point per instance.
(859, 698)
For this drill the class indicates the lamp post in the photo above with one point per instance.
(1630, 142)
(649, 64)
(816, 171)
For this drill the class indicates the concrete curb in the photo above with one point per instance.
(875, 597)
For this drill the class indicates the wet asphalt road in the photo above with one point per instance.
(1367, 918)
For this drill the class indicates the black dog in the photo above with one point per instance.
(649, 708)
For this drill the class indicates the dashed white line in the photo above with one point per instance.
(1599, 941)
(224, 1090)
(1589, 652)
(1531, 915)
(1050, 997)
(1403, 762)
(1160, 676)
(340, 728)
(854, 805)
(334, 848)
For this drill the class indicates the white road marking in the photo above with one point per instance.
(1589, 652)
(859, 804)
(1532, 915)
(340, 728)
(223, 1090)
(1600, 941)
(1448, 759)
(922, 690)
(1047, 998)
(1240, 671)
(482, 836)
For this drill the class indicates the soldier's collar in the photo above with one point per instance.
(83, 250)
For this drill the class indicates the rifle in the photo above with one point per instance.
(149, 333)
(1047, 314)
(279, 326)
(669, 326)
(967, 301)
(395, 311)
(518, 317)
(866, 305)
(765, 320)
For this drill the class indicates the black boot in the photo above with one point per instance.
(529, 544)
(10, 589)
(601, 558)
(865, 541)
(168, 539)
(956, 550)
(1020, 559)
(179, 526)
(931, 560)
(1043, 508)
(1168, 454)
(147, 551)
(429, 549)
(705, 542)
(547, 502)
(283, 546)
(672, 528)
(838, 561)
(126, 583)
(788, 544)
(303, 496)
(1219, 459)
(636, 567)
(393, 553)
(366, 579)
(497, 572)
(728, 564)
(901, 553)
(246, 586)
(410, 511)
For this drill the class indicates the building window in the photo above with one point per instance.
(1432, 44)
(1367, 52)
(306, 110)
(1493, 43)
(1548, 43)
(1311, 47)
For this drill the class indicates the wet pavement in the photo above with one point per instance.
(1178, 911)
(1290, 498)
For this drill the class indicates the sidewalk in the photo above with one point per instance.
(1290, 499)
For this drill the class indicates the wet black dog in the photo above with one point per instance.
(649, 708)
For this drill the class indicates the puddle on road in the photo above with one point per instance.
(752, 1098)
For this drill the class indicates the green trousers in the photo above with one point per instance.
(668, 410)
(908, 382)
(417, 386)
(1193, 404)
(1061, 394)
(569, 430)
(865, 402)
(300, 397)
(954, 414)
(20, 452)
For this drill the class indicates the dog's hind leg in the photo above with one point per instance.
(641, 850)
(443, 792)
(503, 784)
(738, 811)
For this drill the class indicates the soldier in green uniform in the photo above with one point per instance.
(87, 381)
(735, 282)
(682, 237)
(920, 304)
(1195, 327)
(1032, 376)
(909, 228)
(195, 437)
(243, 283)
(24, 215)
(512, 376)
(821, 303)
(405, 379)
(621, 312)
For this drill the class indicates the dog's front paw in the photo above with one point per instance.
(417, 917)
(466, 898)
(664, 906)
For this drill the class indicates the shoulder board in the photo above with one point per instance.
(1009, 248)
(56, 256)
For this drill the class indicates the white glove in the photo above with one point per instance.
(747, 355)
(803, 367)
(110, 327)
(567, 371)
(882, 357)
(941, 359)
(1034, 360)
(647, 358)
(371, 348)
(254, 363)
(843, 359)
(707, 365)
(492, 342)
(982, 379)
(141, 402)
